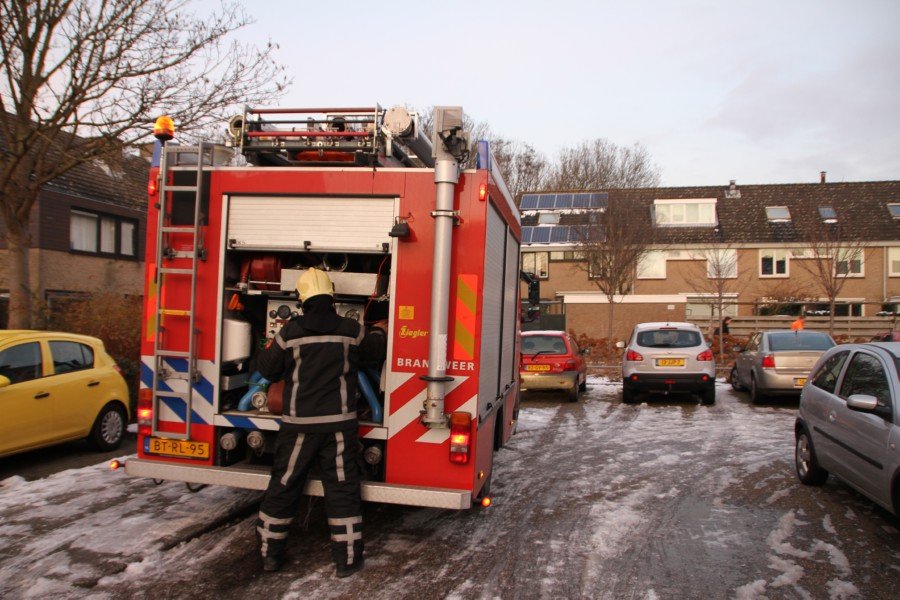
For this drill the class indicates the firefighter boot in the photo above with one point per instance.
(343, 567)
(273, 563)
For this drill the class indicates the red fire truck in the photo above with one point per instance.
(410, 239)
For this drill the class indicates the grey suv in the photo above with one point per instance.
(668, 357)
(849, 421)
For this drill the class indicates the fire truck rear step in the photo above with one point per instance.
(258, 479)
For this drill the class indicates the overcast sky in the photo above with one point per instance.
(763, 91)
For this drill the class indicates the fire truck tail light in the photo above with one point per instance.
(768, 362)
(460, 437)
(145, 412)
(482, 192)
(151, 186)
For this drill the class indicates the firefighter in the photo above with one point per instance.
(317, 356)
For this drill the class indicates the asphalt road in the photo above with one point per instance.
(596, 499)
(71, 455)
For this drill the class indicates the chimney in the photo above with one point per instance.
(822, 176)
(732, 191)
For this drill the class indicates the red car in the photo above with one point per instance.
(552, 360)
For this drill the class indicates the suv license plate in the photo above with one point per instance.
(181, 448)
(670, 362)
(537, 367)
(799, 381)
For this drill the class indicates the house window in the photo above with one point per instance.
(828, 214)
(722, 263)
(536, 263)
(894, 261)
(675, 213)
(894, 209)
(548, 218)
(773, 263)
(652, 265)
(102, 234)
(849, 263)
(778, 214)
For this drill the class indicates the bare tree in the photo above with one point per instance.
(83, 79)
(830, 256)
(775, 295)
(523, 168)
(611, 244)
(716, 275)
(599, 163)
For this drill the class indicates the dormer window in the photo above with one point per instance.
(699, 212)
(828, 214)
(778, 214)
(894, 209)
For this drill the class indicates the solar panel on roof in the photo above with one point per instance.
(529, 202)
(526, 234)
(559, 234)
(581, 200)
(597, 201)
(546, 200)
(540, 235)
(563, 201)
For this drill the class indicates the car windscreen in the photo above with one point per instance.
(544, 344)
(799, 340)
(668, 338)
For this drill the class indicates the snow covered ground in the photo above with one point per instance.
(598, 499)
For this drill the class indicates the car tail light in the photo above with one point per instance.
(145, 412)
(768, 361)
(633, 356)
(571, 365)
(706, 355)
(460, 437)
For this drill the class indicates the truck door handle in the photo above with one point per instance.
(41, 395)
(93, 383)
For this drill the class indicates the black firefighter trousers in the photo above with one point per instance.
(336, 454)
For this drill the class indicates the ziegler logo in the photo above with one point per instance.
(406, 332)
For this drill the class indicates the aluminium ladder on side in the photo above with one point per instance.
(165, 358)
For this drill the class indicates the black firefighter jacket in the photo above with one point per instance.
(317, 354)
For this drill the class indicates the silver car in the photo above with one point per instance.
(849, 421)
(666, 358)
(777, 362)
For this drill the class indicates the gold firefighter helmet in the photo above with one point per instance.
(314, 282)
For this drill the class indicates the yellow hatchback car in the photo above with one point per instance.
(57, 387)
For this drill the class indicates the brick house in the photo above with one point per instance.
(87, 233)
(750, 246)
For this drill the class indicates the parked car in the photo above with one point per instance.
(777, 362)
(57, 387)
(668, 357)
(887, 336)
(552, 360)
(848, 423)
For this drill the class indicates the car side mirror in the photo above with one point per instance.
(4, 381)
(863, 402)
(737, 349)
(620, 345)
(585, 350)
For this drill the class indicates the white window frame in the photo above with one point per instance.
(893, 256)
(532, 262)
(548, 218)
(675, 212)
(652, 265)
(712, 252)
(774, 252)
(778, 219)
(847, 256)
(894, 209)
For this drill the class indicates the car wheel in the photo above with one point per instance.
(573, 393)
(583, 386)
(628, 395)
(808, 470)
(735, 382)
(756, 396)
(108, 429)
(708, 396)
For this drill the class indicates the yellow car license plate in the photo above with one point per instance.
(670, 362)
(537, 367)
(799, 381)
(182, 448)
